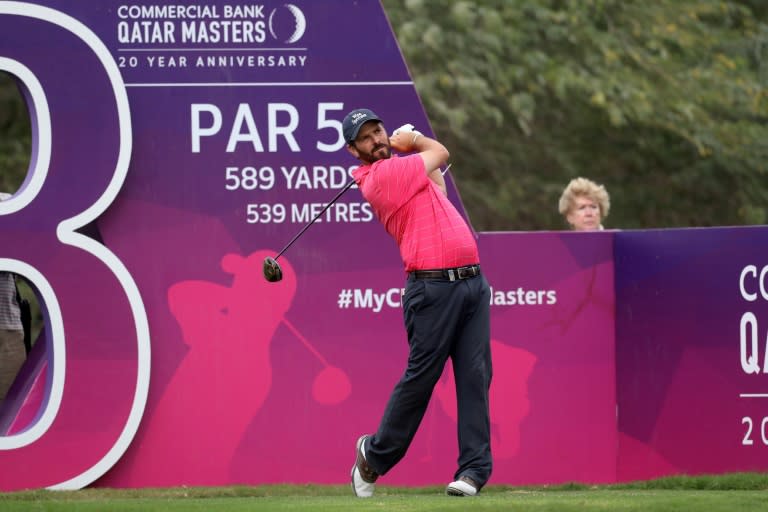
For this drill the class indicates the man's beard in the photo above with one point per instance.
(376, 154)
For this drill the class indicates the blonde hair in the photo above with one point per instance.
(582, 187)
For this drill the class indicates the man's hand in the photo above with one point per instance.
(407, 127)
(404, 138)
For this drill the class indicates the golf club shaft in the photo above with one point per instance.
(346, 187)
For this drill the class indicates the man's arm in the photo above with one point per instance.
(431, 151)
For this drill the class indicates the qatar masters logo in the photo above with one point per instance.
(287, 23)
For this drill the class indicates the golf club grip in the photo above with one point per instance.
(346, 187)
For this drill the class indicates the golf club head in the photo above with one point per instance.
(272, 270)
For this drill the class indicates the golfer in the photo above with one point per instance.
(446, 302)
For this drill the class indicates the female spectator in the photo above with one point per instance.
(584, 204)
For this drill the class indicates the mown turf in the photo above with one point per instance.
(726, 493)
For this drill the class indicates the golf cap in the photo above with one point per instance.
(354, 121)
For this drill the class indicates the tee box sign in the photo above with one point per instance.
(176, 146)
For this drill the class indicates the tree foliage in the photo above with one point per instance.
(15, 135)
(663, 102)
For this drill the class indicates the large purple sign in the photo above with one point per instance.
(189, 141)
(178, 145)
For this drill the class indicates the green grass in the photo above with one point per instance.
(726, 493)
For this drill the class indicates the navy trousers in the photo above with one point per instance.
(443, 319)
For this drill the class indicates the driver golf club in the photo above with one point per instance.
(272, 270)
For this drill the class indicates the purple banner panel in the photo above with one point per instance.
(231, 116)
(692, 339)
(97, 341)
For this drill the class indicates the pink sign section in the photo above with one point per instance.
(291, 373)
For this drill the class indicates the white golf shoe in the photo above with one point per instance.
(464, 486)
(363, 477)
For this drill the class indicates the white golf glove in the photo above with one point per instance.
(408, 127)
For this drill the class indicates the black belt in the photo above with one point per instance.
(451, 274)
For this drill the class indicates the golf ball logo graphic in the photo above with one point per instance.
(287, 23)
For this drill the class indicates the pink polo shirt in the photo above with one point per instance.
(426, 226)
